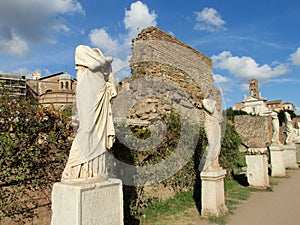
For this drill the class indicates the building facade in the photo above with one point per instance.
(257, 105)
(13, 85)
(56, 89)
(254, 104)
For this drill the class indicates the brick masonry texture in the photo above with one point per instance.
(156, 53)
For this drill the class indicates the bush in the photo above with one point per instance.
(34, 146)
(229, 156)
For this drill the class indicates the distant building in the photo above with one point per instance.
(289, 106)
(256, 104)
(56, 89)
(13, 85)
(275, 105)
(253, 88)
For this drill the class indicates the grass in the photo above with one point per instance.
(220, 220)
(172, 206)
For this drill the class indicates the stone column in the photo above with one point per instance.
(277, 161)
(257, 170)
(88, 202)
(289, 156)
(212, 196)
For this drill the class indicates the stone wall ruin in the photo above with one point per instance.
(254, 131)
(158, 57)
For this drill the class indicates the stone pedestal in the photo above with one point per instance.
(290, 156)
(212, 196)
(257, 170)
(88, 203)
(277, 161)
(297, 142)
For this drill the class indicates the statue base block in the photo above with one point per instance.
(277, 161)
(88, 202)
(298, 152)
(290, 156)
(212, 196)
(257, 170)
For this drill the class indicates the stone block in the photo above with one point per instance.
(212, 196)
(88, 203)
(297, 142)
(290, 156)
(298, 152)
(257, 170)
(277, 161)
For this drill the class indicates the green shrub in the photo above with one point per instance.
(34, 146)
(230, 155)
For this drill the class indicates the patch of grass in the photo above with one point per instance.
(235, 193)
(172, 206)
(231, 204)
(220, 220)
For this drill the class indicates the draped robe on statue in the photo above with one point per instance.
(275, 127)
(290, 134)
(213, 118)
(95, 89)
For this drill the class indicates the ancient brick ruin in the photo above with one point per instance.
(159, 57)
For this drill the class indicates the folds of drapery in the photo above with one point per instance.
(95, 89)
(213, 133)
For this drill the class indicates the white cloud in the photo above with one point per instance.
(101, 39)
(244, 87)
(137, 18)
(209, 20)
(295, 57)
(22, 72)
(121, 68)
(63, 6)
(14, 45)
(32, 21)
(119, 64)
(223, 83)
(220, 79)
(245, 67)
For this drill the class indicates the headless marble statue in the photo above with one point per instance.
(95, 89)
(289, 128)
(213, 118)
(275, 127)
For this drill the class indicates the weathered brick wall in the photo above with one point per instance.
(153, 97)
(254, 131)
(168, 72)
(157, 54)
(155, 45)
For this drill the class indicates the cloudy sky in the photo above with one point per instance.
(245, 39)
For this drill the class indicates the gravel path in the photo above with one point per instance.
(280, 207)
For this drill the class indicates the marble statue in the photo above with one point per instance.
(95, 89)
(289, 128)
(275, 127)
(213, 118)
(298, 125)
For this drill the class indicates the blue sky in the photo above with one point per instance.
(245, 39)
